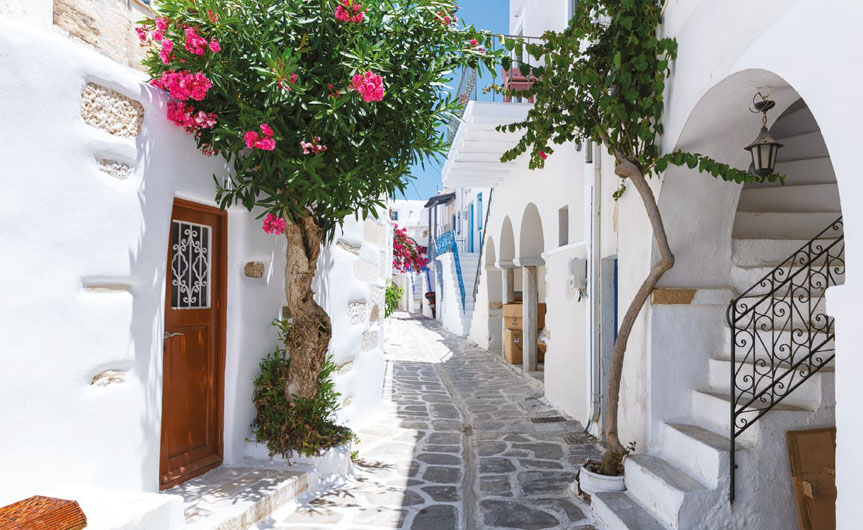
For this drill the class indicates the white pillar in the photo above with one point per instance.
(529, 315)
(507, 296)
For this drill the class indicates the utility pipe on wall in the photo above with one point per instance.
(594, 289)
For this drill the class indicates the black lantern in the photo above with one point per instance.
(765, 148)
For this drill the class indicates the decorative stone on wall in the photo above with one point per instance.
(254, 269)
(108, 377)
(106, 25)
(345, 367)
(344, 245)
(375, 233)
(357, 312)
(365, 271)
(376, 313)
(111, 111)
(118, 170)
(370, 340)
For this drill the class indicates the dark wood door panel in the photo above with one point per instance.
(193, 359)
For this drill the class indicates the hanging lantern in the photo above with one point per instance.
(765, 148)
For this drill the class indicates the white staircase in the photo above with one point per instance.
(683, 481)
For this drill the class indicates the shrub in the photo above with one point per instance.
(392, 296)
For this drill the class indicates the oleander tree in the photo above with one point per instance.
(408, 255)
(602, 79)
(320, 106)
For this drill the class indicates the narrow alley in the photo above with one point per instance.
(462, 441)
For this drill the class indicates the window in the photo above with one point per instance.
(394, 215)
(573, 4)
(190, 265)
(588, 152)
(563, 226)
(479, 210)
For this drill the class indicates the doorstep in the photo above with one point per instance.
(237, 497)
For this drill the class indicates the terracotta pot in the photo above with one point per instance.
(591, 482)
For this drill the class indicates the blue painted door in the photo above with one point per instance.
(470, 245)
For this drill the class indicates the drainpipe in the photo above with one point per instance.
(593, 296)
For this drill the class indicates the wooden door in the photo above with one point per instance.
(813, 475)
(194, 343)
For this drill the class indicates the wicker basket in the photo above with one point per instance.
(42, 513)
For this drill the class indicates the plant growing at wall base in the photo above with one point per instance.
(602, 79)
(303, 425)
(321, 107)
(392, 295)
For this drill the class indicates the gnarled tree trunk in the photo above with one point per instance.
(310, 328)
(626, 169)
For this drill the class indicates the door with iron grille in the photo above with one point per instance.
(194, 343)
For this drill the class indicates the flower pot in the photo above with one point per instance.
(591, 482)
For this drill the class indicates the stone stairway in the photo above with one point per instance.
(683, 481)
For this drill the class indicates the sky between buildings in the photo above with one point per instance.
(492, 15)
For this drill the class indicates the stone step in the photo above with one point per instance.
(619, 511)
(802, 146)
(806, 171)
(229, 498)
(779, 313)
(803, 282)
(699, 451)
(791, 198)
(772, 252)
(712, 410)
(753, 344)
(815, 391)
(665, 488)
(782, 225)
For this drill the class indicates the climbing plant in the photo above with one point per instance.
(408, 255)
(321, 107)
(602, 79)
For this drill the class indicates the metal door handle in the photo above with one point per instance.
(169, 335)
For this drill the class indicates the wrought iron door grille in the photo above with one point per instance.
(780, 332)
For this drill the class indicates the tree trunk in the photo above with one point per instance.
(309, 325)
(626, 169)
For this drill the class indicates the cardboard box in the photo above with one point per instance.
(540, 351)
(512, 346)
(513, 316)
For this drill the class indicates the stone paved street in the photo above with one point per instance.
(454, 446)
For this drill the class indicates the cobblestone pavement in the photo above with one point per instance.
(455, 448)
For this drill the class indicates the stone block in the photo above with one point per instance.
(108, 377)
(254, 269)
(106, 25)
(375, 233)
(118, 170)
(357, 312)
(111, 111)
(370, 340)
(672, 296)
(348, 247)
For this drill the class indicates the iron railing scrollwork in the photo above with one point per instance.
(780, 332)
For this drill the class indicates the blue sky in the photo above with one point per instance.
(483, 14)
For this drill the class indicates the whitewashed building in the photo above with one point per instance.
(99, 190)
(557, 236)
(412, 216)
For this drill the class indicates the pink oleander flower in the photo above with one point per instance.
(543, 155)
(142, 33)
(473, 43)
(266, 129)
(167, 52)
(194, 42)
(183, 85)
(214, 17)
(250, 137)
(214, 46)
(294, 78)
(157, 35)
(313, 147)
(350, 12)
(162, 24)
(369, 85)
(266, 144)
(187, 117)
(274, 225)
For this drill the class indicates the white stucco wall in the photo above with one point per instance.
(84, 278)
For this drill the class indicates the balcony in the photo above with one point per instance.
(475, 144)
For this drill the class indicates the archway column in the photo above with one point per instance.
(530, 331)
(507, 295)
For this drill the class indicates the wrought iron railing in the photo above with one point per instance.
(780, 332)
(446, 242)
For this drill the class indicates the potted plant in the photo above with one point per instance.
(602, 80)
(592, 480)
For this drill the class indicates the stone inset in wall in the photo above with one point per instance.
(665, 295)
(370, 340)
(106, 25)
(365, 271)
(357, 312)
(375, 232)
(108, 377)
(111, 111)
(376, 313)
(345, 367)
(254, 269)
(344, 245)
(118, 170)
